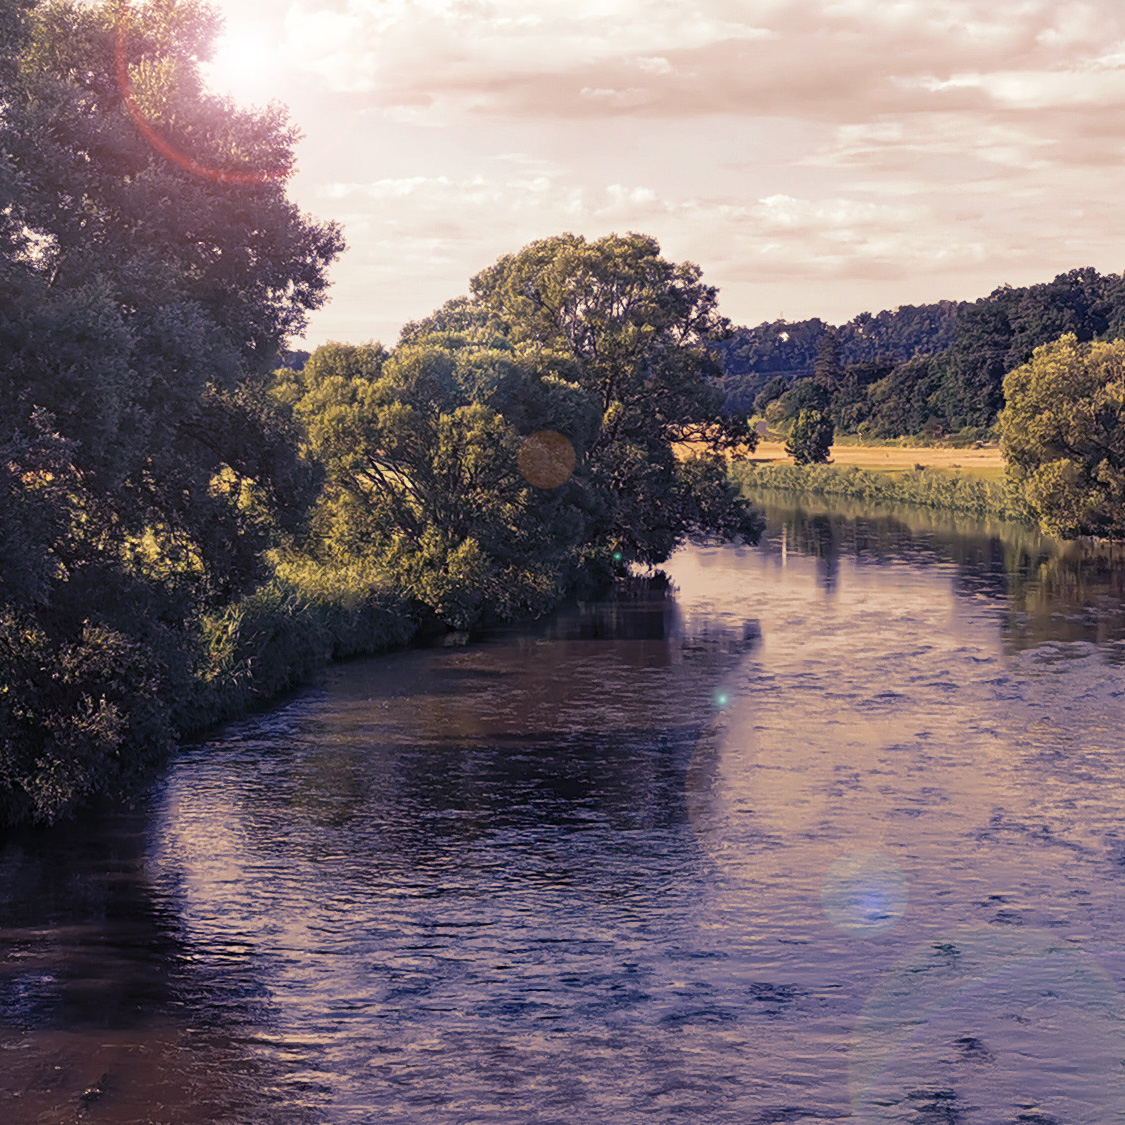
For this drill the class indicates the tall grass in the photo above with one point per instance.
(276, 638)
(923, 487)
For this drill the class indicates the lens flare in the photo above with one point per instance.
(546, 459)
(864, 893)
(240, 65)
(159, 142)
(991, 1025)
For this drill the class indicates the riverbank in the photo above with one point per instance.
(284, 633)
(928, 487)
(309, 616)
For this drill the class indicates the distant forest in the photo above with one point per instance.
(935, 370)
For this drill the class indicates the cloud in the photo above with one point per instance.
(839, 58)
(830, 150)
(440, 230)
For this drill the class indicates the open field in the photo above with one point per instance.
(985, 463)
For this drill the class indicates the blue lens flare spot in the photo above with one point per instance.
(864, 893)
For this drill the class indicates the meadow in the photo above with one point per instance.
(985, 463)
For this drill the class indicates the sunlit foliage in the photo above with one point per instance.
(925, 488)
(810, 438)
(606, 345)
(1063, 433)
(146, 290)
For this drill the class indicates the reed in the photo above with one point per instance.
(286, 631)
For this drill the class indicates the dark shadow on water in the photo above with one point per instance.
(102, 1016)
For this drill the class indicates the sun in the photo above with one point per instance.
(245, 65)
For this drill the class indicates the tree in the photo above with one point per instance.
(771, 392)
(593, 357)
(1063, 434)
(424, 484)
(147, 289)
(810, 439)
(804, 394)
(828, 370)
(636, 335)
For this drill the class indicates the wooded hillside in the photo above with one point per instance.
(936, 369)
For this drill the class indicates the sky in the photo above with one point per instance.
(814, 157)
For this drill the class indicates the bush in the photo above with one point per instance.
(810, 440)
(277, 637)
(1063, 432)
(78, 716)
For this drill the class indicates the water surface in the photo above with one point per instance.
(831, 831)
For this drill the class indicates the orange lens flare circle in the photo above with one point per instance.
(546, 459)
(160, 143)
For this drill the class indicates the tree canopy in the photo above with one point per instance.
(598, 353)
(935, 369)
(147, 290)
(1063, 433)
(810, 439)
(637, 336)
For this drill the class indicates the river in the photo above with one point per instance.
(830, 829)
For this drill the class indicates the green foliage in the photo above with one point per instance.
(771, 392)
(76, 704)
(146, 287)
(927, 488)
(637, 336)
(899, 403)
(1063, 433)
(810, 439)
(275, 638)
(828, 369)
(753, 357)
(708, 502)
(424, 485)
(805, 394)
(604, 343)
(932, 369)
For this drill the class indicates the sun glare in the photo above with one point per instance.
(244, 66)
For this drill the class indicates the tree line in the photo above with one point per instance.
(936, 370)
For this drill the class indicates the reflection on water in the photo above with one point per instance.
(830, 831)
(1050, 591)
(105, 1015)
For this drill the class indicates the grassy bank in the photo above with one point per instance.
(284, 633)
(928, 488)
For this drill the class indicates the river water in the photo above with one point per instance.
(830, 830)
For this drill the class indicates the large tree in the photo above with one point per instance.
(152, 267)
(1063, 434)
(523, 437)
(423, 476)
(637, 335)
